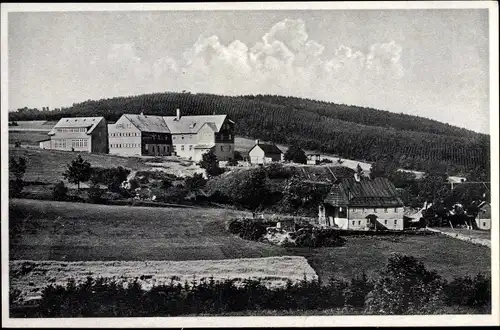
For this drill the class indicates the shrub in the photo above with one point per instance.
(232, 162)
(277, 171)
(95, 194)
(405, 287)
(60, 191)
(248, 228)
(467, 291)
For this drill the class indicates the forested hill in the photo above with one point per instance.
(349, 131)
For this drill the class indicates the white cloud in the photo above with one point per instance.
(284, 61)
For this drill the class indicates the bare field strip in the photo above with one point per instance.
(30, 277)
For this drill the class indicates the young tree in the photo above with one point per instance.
(195, 182)
(166, 184)
(237, 156)
(296, 155)
(78, 171)
(210, 164)
(59, 193)
(17, 169)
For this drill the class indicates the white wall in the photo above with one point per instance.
(124, 138)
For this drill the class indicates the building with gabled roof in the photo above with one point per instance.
(359, 203)
(140, 135)
(263, 153)
(186, 136)
(192, 136)
(87, 134)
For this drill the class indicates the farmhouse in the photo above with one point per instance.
(358, 203)
(192, 136)
(483, 219)
(139, 135)
(263, 153)
(88, 134)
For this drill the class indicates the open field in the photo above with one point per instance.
(27, 137)
(48, 165)
(30, 277)
(42, 230)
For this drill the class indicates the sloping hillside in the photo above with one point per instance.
(351, 132)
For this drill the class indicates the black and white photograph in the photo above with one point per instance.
(250, 164)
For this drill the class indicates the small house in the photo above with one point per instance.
(263, 153)
(313, 159)
(483, 219)
(358, 203)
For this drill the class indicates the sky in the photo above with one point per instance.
(430, 63)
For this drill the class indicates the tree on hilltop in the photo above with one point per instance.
(79, 170)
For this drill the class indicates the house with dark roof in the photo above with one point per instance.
(87, 134)
(358, 203)
(139, 135)
(263, 153)
(185, 136)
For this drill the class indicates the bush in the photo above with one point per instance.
(467, 291)
(405, 287)
(249, 229)
(277, 171)
(95, 194)
(60, 192)
(232, 162)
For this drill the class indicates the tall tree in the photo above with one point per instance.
(296, 155)
(210, 164)
(79, 170)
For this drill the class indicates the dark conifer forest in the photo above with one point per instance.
(348, 131)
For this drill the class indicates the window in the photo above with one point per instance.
(374, 210)
(385, 222)
(182, 147)
(229, 148)
(359, 223)
(175, 147)
(395, 222)
(182, 137)
(385, 210)
(353, 223)
(221, 148)
(395, 209)
(229, 136)
(190, 147)
(168, 149)
(484, 224)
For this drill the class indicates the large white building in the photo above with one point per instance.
(186, 136)
(87, 134)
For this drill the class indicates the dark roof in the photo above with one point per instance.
(379, 192)
(268, 148)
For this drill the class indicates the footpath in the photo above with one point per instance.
(480, 241)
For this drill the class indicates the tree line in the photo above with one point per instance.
(351, 132)
(404, 286)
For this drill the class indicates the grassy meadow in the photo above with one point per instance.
(43, 230)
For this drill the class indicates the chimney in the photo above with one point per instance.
(257, 141)
(178, 114)
(142, 113)
(356, 177)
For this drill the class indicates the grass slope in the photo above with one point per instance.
(48, 165)
(41, 230)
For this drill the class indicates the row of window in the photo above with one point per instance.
(125, 145)
(79, 143)
(74, 143)
(158, 148)
(385, 222)
(124, 134)
(72, 130)
(191, 147)
(375, 210)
